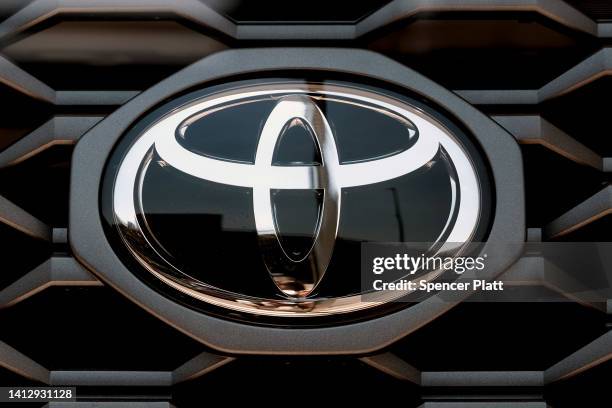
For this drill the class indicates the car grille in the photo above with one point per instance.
(539, 68)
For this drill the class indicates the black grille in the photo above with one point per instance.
(540, 69)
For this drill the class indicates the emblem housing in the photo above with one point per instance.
(92, 248)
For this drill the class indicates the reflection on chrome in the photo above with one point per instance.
(296, 104)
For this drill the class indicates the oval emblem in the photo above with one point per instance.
(256, 198)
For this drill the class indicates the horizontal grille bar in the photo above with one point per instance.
(200, 13)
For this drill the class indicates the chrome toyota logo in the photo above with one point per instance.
(286, 114)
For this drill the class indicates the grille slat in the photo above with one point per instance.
(40, 10)
(595, 353)
(534, 129)
(394, 366)
(596, 9)
(592, 209)
(20, 80)
(65, 130)
(93, 98)
(56, 271)
(537, 271)
(482, 378)
(15, 217)
(558, 11)
(21, 364)
(585, 72)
